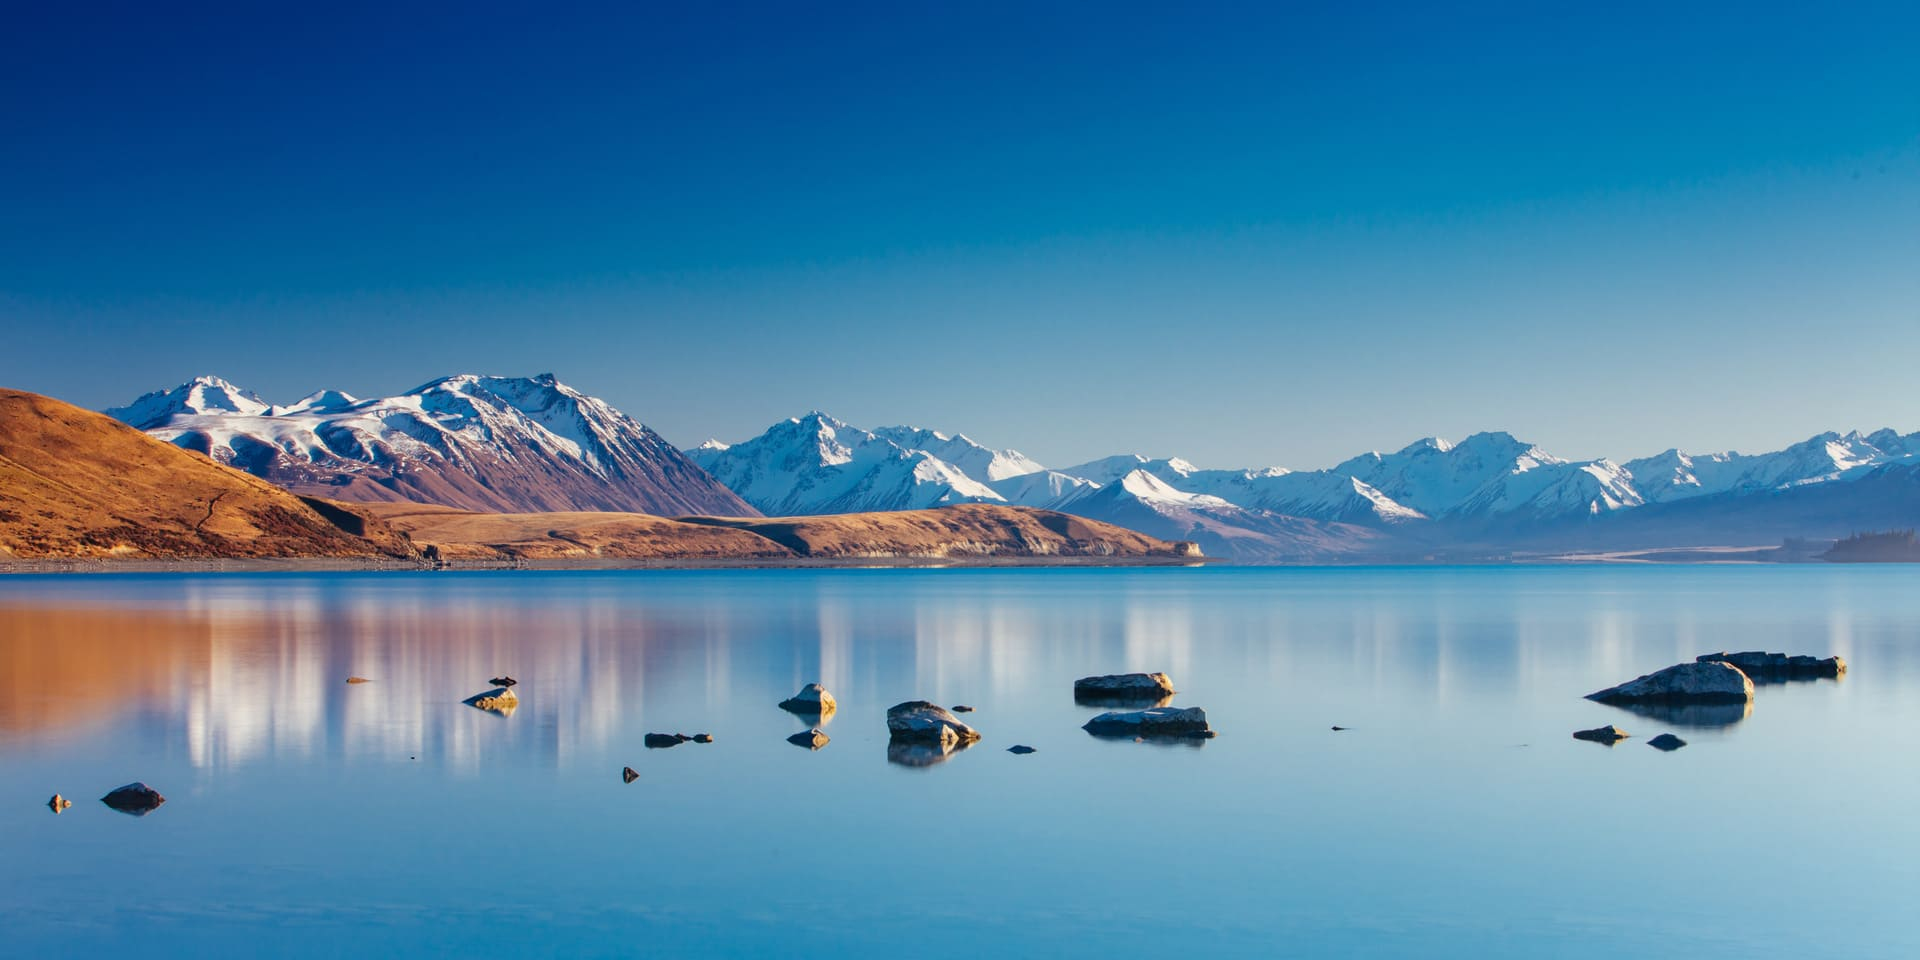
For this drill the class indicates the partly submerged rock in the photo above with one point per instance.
(1157, 722)
(1608, 734)
(703, 738)
(59, 803)
(1695, 682)
(811, 739)
(1762, 667)
(1020, 748)
(660, 741)
(629, 775)
(1667, 742)
(500, 700)
(961, 708)
(357, 680)
(1124, 688)
(135, 798)
(812, 699)
(918, 721)
(503, 681)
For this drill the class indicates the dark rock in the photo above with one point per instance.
(812, 700)
(1765, 667)
(961, 709)
(660, 741)
(1118, 689)
(703, 738)
(1020, 748)
(357, 680)
(1339, 728)
(135, 798)
(1157, 722)
(59, 803)
(629, 775)
(1608, 735)
(811, 739)
(1697, 682)
(503, 681)
(919, 721)
(1667, 742)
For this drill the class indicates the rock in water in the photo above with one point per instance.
(811, 739)
(1764, 667)
(135, 798)
(1667, 742)
(1157, 722)
(500, 700)
(59, 803)
(1123, 687)
(1696, 682)
(629, 775)
(703, 738)
(660, 741)
(1608, 735)
(503, 681)
(356, 679)
(1020, 748)
(812, 698)
(961, 708)
(918, 721)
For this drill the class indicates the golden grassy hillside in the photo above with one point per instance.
(79, 484)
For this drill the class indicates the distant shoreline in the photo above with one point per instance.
(337, 565)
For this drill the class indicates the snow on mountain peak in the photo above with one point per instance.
(201, 395)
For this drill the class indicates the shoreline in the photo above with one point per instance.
(347, 565)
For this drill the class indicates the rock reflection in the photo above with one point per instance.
(1698, 715)
(912, 754)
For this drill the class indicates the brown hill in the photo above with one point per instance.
(966, 531)
(74, 483)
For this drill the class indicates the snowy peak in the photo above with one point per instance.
(818, 464)
(201, 395)
(984, 463)
(507, 444)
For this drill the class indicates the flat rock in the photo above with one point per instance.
(1157, 722)
(1608, 735)
(962, 708)
(1123, 688)
(812, 698)
(629, 775)
(660, 741)
(1697, 682)
(918, 721)
(1667, 742)
(1020, 748)
(135, 798)
(1765, 667)
(811, 739)
(357, 680)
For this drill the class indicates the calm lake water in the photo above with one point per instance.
(1457, 817)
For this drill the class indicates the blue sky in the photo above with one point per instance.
(1243, 234)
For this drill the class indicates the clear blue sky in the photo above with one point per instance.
(1247, 234)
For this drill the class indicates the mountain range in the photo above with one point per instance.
(497, 444)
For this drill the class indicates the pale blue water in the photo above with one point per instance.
(1457, 818)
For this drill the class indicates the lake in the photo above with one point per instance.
(1456, 817)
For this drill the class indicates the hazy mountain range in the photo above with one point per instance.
(525, 444)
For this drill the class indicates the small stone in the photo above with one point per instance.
(1158, 722)
(1667, 742)
(356, 679)
(661, 741)
(629, 775)
(961, 708)
(812, 698)
(811, 739)
(1340, 728)
(703, 738)
(1608, 734)
(1020, 748)
(921, 721)
(503, 681)
(59, 803)
(500, 700)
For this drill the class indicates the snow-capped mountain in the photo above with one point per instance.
(816, 464)
(1488, 489)
(505, 444)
